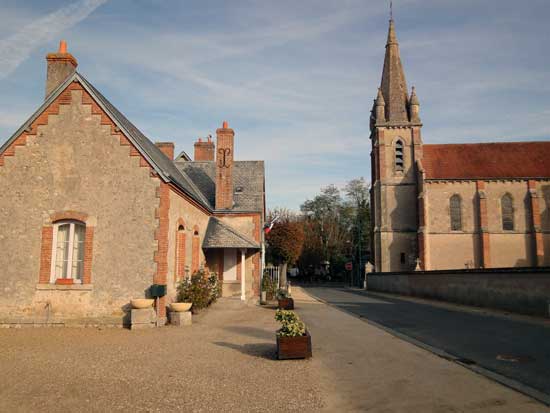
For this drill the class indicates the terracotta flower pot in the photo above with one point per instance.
(64, 281)
(294, 347)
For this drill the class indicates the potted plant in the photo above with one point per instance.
(285, 301)
(293, 340)
(200, 290)
(268, 288)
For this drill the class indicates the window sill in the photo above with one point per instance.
(72, 287)
(231, 281)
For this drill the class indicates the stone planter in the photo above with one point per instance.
(64, 281)
(286, 303)
(140, 303)
(263, 298)
(294, 347)
(180, 307)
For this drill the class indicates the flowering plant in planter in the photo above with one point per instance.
(293, 340)
(284, 299)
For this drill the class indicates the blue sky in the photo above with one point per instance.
(295, 79)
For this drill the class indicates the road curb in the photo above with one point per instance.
(505, 381)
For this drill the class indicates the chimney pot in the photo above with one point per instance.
(60, 66)
(62, 47)
(225, 124)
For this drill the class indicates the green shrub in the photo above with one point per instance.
(199, 289)
(269, 286)
(292, 325)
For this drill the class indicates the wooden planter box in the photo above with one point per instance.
(294, 347)
(286, 304)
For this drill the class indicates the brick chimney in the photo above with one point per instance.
(204, 151)
(224, 167)
(166, 148)
(60, 66)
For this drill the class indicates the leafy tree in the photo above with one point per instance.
(285, 241)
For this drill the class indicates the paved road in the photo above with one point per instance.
(482, 338)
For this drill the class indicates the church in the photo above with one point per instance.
(451, 206)
(93, 213)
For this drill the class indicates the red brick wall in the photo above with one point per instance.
(204, 151)
(224, 168)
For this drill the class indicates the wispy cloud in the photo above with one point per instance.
(17, 47)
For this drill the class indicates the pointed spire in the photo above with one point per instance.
(393, 84)
(414, 106)
(380, 107)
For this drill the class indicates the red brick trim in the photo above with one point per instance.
(46, 255)
(161, 235)
(256, 273)
(239, 264)
(180, 254)
(88, 255)
(73, 215)
(195, 250)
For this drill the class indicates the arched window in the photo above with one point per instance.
(455, 206)
(399, 155)
(180, 253)
(68, 250)
(507, 208)
(195, 250)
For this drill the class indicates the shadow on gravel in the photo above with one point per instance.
(251, 332)
(262, 350)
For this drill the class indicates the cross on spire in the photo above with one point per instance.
(391, 10)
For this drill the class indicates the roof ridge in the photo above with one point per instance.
(484, 143)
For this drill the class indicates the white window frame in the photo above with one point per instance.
(56, 226)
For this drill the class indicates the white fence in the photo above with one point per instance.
(273, 273)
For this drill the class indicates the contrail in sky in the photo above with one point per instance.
(17, 47)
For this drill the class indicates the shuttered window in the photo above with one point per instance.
(399, 156)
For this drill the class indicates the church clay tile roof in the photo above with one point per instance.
(487, 160)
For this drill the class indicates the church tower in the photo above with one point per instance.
(396, 146)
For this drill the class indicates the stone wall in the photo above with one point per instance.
(520, 290)
(73, 160)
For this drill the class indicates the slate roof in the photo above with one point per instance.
(220, 235)
(248, 182)
(162, 164)
(487, 160)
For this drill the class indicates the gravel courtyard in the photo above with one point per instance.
(225, 361)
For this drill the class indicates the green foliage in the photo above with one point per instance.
(200, 289)
(269, 286)
(292, 326)
(282, 294)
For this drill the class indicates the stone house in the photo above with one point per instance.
(482, 205)
(93, 213)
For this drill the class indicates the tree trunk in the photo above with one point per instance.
(282, 275)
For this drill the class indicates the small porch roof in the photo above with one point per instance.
(221, 235)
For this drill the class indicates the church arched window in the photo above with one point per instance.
(455, 206)
(507, 209)
(399, 155)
